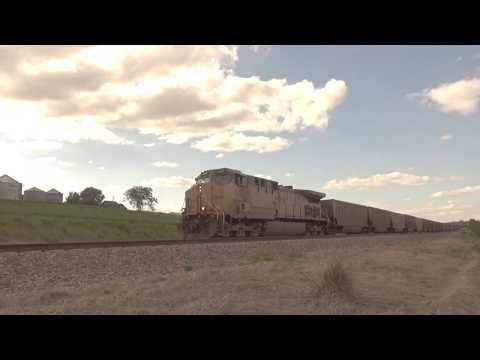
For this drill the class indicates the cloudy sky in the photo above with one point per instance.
(390, 126)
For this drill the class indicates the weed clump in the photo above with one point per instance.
(334, 282)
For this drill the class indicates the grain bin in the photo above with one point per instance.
(398, 222)
(410, 223)
(346, 217)
(380, 220)
(34, 194)
(10, 189)
(54, 196)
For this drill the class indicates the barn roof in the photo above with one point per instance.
(8, 179)
(54, 191)
(34, 189)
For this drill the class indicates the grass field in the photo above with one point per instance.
(22, 222)
(474, 227)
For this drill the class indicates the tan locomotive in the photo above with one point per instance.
(228, 203)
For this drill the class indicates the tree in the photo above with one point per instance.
(139, 197)
(73, 198)
(91, 196)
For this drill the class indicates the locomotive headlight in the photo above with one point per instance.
(203, 208)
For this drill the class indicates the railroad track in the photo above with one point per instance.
(110, 244)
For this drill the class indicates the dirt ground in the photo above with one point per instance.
(394, 274)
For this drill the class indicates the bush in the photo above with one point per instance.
(334, 282)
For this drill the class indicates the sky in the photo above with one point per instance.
(395, 127)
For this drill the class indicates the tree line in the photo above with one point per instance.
(139, 197)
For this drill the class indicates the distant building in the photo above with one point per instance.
(54, 196)
(113, 204)
(34, 194)
(10, 189)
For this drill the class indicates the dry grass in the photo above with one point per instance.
(334, 284)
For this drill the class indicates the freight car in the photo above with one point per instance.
(380, 220)
(410, 224)
(345, 217)
(398, 222)
(228, 203)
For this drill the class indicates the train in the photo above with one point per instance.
(228, 203)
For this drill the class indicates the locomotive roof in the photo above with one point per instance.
(224, 171)
(315, 195)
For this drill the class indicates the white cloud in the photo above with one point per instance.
(288, 174)
(90, 162)
(149, 145)
(166, 164)
(178, 93)
(378, 180)
(443, 211)
(219, 156)
(169, 182)
(462, 96)
(463, 191)
(101, 168)
(66, 164)
(229, 142)
(446, 137)
(44, 172)
(29, 147)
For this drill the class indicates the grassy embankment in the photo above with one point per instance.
(471, 236)
(22, 222)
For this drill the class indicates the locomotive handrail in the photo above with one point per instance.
(217, 211)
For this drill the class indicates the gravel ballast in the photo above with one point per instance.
(81, 268)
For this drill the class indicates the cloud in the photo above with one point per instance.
(219, 156)
(166, 164)
(443, 211)
(462, 96)
(229, 142)
(288, 174)
(44, 172)
(149, 145)
(90, 162)
(446, 137)
(458, 192)
(169, 182)
(29, 147)
(178, 93)
(66, 164)
(101, 168)
(378, 180)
